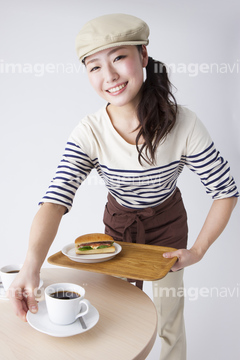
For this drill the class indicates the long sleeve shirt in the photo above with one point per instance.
(95, 144)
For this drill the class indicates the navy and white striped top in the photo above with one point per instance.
(95, 143)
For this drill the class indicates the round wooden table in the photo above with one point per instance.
(126, 329)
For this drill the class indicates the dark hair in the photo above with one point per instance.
(157, 110)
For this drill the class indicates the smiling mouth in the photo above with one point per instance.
(117, 88)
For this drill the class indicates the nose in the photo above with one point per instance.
(110, 74)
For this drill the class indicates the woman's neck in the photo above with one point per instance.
(125, 121)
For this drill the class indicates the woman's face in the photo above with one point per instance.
(116, 74)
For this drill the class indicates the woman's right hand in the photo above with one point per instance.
(43, 231)
(22, 293)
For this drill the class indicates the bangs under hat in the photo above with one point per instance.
(110, 30)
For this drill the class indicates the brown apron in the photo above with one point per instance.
(163, 225)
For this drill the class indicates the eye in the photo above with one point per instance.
(94, 68)
(119, 57)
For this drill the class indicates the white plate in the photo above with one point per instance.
(41, 322)
(69, 251)
(3, 292)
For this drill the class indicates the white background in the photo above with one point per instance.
(48, 95)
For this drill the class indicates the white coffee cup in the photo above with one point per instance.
(8, 274)
(65, 311)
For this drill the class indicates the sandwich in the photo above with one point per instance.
(94, 244)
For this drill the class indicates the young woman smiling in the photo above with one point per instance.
(139, 143)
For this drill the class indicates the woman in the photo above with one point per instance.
(139, 143)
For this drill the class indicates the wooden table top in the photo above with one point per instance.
(135, 261)
(126, 328)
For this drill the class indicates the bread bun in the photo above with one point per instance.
(107, 250)
(95, 237)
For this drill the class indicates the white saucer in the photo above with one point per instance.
(69, 251)
(3, 292)
(41, 322)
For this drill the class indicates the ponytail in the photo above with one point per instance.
(157, 110)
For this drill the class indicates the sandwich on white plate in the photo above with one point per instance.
(95, 243)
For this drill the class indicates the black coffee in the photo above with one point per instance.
(65, 295)
(13, 271)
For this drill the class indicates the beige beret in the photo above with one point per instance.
(110, 30)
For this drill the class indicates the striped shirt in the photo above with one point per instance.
(95, 143)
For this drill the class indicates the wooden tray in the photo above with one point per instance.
(135, 261)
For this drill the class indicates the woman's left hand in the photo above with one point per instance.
(185, 258)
